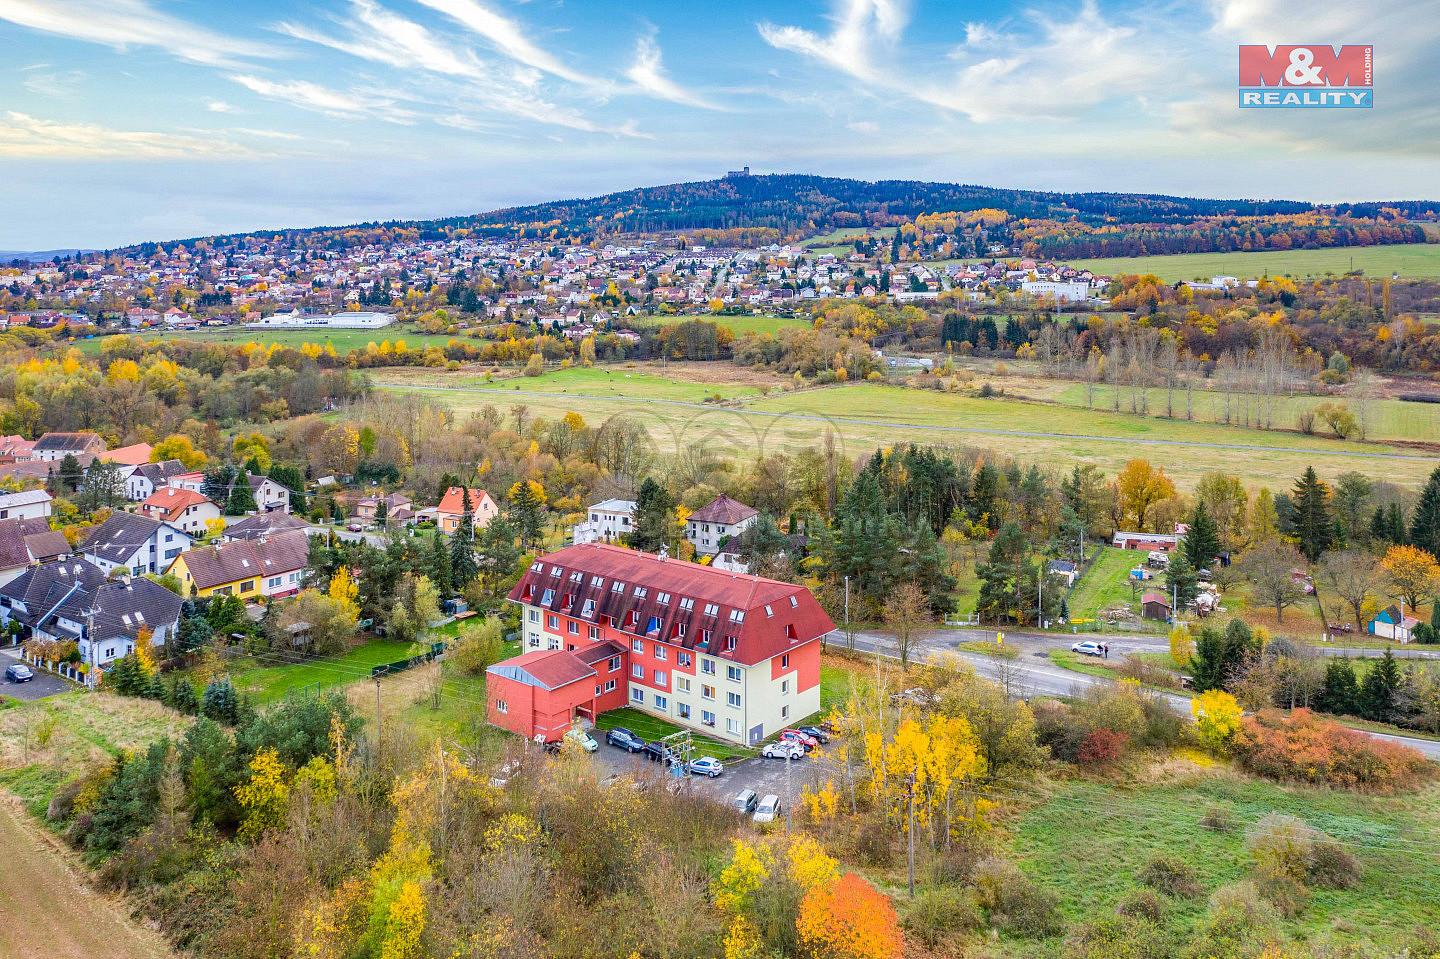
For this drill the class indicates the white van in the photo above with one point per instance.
(768, 809)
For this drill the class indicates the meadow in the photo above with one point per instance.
(342, 340)
(750, 323)
(1411, 260)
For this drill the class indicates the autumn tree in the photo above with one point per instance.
(178, 447)
(1270, 568)
(1141, 486)
(906, 613)
(849, 919)
(1353, 575)
(1411, 574)
(1217, 715)
(942, 753)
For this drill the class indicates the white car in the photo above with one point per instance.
(768, 809)
(579, 737)
(1088, 649)
(785, 749)
(706, 766)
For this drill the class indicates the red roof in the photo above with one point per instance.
(545, 668)
(453, 502)
(721, 605)
(1156, 598)
(169, 503)
(137, 455)
(723, 509)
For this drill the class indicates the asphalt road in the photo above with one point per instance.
(44, 684)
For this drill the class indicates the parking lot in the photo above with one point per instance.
(44, 684)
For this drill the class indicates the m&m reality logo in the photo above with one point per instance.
(1314, 76)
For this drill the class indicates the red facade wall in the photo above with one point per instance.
(531, 710)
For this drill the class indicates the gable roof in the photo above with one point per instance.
(69, 443)
(723, 509)
(1160, 598)
(158, 473)
(123, 608)
(242, 559)
(29, 497)
(133, 455)
(45, 546)
(117, 539)
(40, 588)
(13, 551)
(169, 503)
(453, 502)
(265, 525)
(592, 571)
(545, 668)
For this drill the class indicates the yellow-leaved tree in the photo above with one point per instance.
(1182, 646)
(943, 755)
(263, 796)
(1217, 715)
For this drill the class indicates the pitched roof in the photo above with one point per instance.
(158, 473)
(723, 604)
(29, 497)
(129, 455)
(1156, 598)
(117, 539)
(46, 546)
(265, 525)
(598, 652)
(453, 502)
(123, 607)
(41, 587)
(69, 443)
(170, 503)
(545, 668)
(13, 551)
(231, 562)
(723, 509)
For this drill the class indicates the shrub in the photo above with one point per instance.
(479, 646)
(1102, 746)
(875, 843)
(1281, 847)
(1217, 819)
(1014, 903)
(1301, 747)
(1288, 896)
(1238, 913)
(1333, 867)
(1142, 904)
(942, 911)
(220, 702)
(1171, 875)
(1117, 937)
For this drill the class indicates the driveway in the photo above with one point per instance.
(44, 684)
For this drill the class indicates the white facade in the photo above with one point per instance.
(29, 504)
(271, 497)
(1062, 292)
(154, 555)
(334, 321)
(706, 537)
(608, 521)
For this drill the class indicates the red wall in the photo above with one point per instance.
(531, 710)
(804, 663)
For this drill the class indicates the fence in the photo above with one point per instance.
(399, 666)
(65, 670)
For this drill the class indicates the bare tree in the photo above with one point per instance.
(1270, 568)
(1351, 574)
(906, 613)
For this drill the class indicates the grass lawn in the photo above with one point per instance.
(598, 382)
(1409, 260)
(1085, 842)
(267, 682)
(650, 727)
(1001, 650)
(740, 325)
(1106, 585)
(342, 340)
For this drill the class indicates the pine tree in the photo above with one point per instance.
(1425, 523)
(654, 517)
(527, 511)
(1379, 526)
(1182, 580)
(1202, 540)
(1395, 519)
(1314, 530)
(382, 511)
(1377, 692)
(242, 498)
(440, 571)
(1341, 692)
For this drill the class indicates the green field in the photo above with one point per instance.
(267, 682)
(1106, 584)
(1085, 842)
(740, 325)
(840, 241)
(865, 416)
(342, 340)
(1419, 260)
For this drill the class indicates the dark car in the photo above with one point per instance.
(19, 673)
(625, 739)
(657, 751)
(821, 734)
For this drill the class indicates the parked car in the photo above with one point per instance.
(745, 801)
(625, 739)
(915, 696)
(818, 732)
(1088, 649)
(579, 737)
(19, 673)
(355, 528)
(784, 749)
(706, 766)
(804, 739)
(768, 809)
(656, 751)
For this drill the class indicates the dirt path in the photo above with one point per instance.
(48, 910)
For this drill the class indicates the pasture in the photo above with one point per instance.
(342, 340)
(749, 323)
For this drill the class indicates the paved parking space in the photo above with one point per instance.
(765, 776)
(44, 684)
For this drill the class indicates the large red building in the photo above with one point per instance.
(734, 656)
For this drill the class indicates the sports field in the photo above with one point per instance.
(1418, 260)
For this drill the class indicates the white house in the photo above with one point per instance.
(710, 525)
(182, 508)
(1061, 292)
(137, 543)
(148, 477)
(28, 504)
(608, 521)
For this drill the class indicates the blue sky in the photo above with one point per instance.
(130, 120)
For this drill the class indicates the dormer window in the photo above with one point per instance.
(687, 604)
(597, 581)
(577, 577)
(641, 592)
(556, 571)
(729, 643)
(663, 599)
(548, 597)
(769, 612)
(712, 609)
(617, 587)
(737, 615)
(537, 568)
(653, 626)
(588, 609)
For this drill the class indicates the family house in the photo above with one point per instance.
(182, 508)
(250, 569)
(1390, 623)
(452, 508)
(709, 526)
(56, 446)
(265, 526)
(27, 504)
(609, 520)
(731, 655)
(27, 542)
(135, 543)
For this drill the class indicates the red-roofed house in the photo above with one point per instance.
(452, 509)
(728, 654)
(184, 508)
(136, 455)
(541, 693)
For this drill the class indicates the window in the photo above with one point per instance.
(678, 632)
(637, 695)
(732, 673)
(683, 659)
(614, 664)
(711, 609)
(729, 644)
(682, 710)
(663, 599)
(641, 592)
(737, 615)
(784, 712)
(547, 597)
(687, 604)
(572, 627)
(597, 581)
(682, 684)
(535, 640)
(609, 685)
(552, 642)
(595, 632)
(637, 671)
(661, 678)
(794, 602)
(769, 612)
(654, 625)
(661, 702)
(247, 586)
(501, 706)
(784, 687)
(660, 652)
(597, 690)
(707, 717)
(556, 571)
(273, 582)
(707, 691)
(732, 726)
(785, 661)
(732, 700)
(707, 666)
(617, 587)
(577, 577)
(552, 622)
(638, 646)
(705, 635)
(534, 615)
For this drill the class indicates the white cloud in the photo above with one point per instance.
(508, 38)
(59, 85)
(377, 34)
(26, 137)
(648, 74)
(848, 47)
(220, 106)
(336, 103)
(122, 24)
(868, 127)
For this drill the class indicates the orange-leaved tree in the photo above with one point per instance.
(848, 919)
(1412, 574)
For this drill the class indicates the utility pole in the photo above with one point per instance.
(377, 717)
(789, 759)
(910, 795)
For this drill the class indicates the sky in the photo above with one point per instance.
(123, 121)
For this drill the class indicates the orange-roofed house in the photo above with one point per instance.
(184, 508)
(136, 455)
(452, 508)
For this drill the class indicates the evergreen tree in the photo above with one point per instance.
(1341, 692)
(183, 698)
(1395, 519)
(1425, 522)
(497, 551)
(382, 511)
(654, 517)
(1218, 653)
(216, 484)
(1002, 575)
(1379, 526)
(1202, 540)
(242, 498)
(101, 487)
(126, 677)
(1314, 528)
(219, 701)
(1181, 580)
(440, 571)
(1377, 692)
(69, 474)
(527, 512)
(293, 479)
